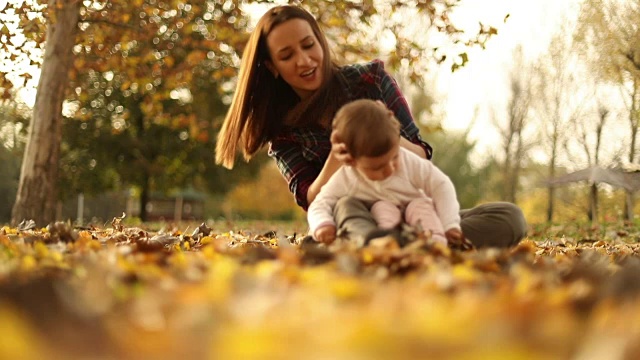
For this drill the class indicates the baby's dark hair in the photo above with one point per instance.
(367, 128)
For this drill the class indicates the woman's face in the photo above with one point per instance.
(296, 56)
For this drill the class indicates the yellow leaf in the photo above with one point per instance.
(464, 273)
(346, 288)
(169, 61)
(367, 257)
(78, 63)
(4, 240)
(19, 340)
(179, 260)
(206, 240)
(7, 230)
(42, 251)
(28, 263)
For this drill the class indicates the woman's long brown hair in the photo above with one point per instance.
(262, 103)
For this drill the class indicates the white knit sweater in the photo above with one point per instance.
(414, 177)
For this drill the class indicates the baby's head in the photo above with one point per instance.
(371, 134)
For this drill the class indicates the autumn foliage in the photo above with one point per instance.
(266, 197)
(212, 292)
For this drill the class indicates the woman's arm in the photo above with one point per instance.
(306, 177)
(391, 96)
(330, 167)
(299, 172)
(414, 148)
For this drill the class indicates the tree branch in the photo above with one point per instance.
(630, 55)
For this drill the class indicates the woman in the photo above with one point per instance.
(288, 91)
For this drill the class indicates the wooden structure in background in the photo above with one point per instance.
(617, 177)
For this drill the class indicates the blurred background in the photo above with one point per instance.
(511, 94)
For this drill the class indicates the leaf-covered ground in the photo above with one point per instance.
(122, 292)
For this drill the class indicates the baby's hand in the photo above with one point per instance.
(325, 234)
(454, 236)
(456, 239)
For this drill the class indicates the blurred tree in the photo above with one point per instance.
(8, 181)
(491, 179)
(37, 193)
(160, 48)
(116, 150)
(13, 122)
(241, 201)
(452, 149)
(558, 101)
(591, 140)
(610, 37)
(514, 146)
(454, 159)
(140, 91)
(356, 28)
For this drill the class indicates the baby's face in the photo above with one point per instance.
(379, 167)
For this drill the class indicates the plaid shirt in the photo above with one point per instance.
(301, 152)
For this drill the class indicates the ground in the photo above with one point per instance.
(250, 291)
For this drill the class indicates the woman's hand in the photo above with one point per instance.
(325, 234)
(339, 149)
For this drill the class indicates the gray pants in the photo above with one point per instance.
(497, 224)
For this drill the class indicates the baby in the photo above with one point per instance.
(395, 183)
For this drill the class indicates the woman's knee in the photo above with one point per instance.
(499, 224)
(515, 217)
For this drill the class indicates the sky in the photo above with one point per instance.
(481, 85)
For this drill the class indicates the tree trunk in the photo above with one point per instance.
(628, 213)
(506, 172)
(634, 120)
(550, 203)
(517, 165)
(37, 190)
(552, 174)
(593, 202)
(144, 196)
